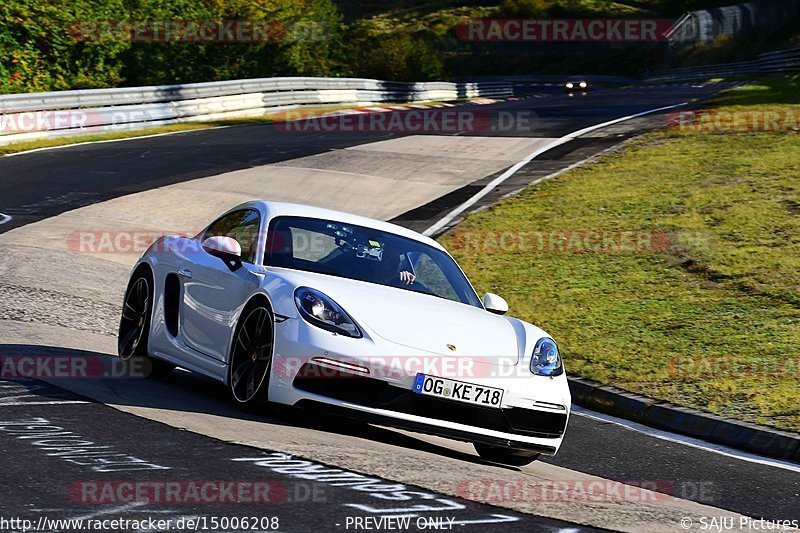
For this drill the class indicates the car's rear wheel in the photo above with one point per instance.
(134, 326)
(251, 357)
(506, 456)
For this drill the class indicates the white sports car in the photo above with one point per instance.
(315, 308)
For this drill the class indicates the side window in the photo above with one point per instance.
(241, 225)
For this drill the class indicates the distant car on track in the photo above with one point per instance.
(576, 86)
(309, 307)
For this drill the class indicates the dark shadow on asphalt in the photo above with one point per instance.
(179, 390)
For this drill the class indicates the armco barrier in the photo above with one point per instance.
(782, 61)
(39, 115)
(705, 25)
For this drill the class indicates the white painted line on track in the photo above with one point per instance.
(115, 510)
(687, 441)
(494, 519)
(4, 218)
(48, 402)
(514, 169)
(564, 170)
(346, 112)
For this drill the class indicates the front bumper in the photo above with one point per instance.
(532, 417)
(430, 427)
(378, 402)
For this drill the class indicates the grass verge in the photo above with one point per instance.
(670, 268)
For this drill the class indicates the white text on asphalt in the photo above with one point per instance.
(405, 499)
(29, 392)
(73, 448)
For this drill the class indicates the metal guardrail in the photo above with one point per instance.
(705, 25)
(39, 115)
(554, 78)
(782, 61)
(679, 27)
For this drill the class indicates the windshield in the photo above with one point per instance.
(365, 254)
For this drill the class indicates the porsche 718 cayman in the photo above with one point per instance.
(315, 308)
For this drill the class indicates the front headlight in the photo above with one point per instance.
(546, 360)
(570, 85)
(323, 312)
(583, 85)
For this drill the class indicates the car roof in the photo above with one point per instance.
(274, 209)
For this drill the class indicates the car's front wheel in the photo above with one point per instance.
(251, 357)
(134, 326)
(506, 456)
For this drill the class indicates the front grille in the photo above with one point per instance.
(529, 421)
(450, 411)
(374, 393)
(345, 386)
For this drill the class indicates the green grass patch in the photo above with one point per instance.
(766, 91)
(709, 315)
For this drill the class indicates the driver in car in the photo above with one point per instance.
(389, 272)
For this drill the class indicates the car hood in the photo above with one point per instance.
(422, 322)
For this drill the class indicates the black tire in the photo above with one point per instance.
(134, 327)
(251, 357)
(506, 456)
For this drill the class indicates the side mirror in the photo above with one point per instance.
(226, 248)
(495, 304)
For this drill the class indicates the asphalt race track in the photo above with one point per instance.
(169, 456)
(180, 429)
(43, 184)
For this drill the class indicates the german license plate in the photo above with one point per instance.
(458, 390)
